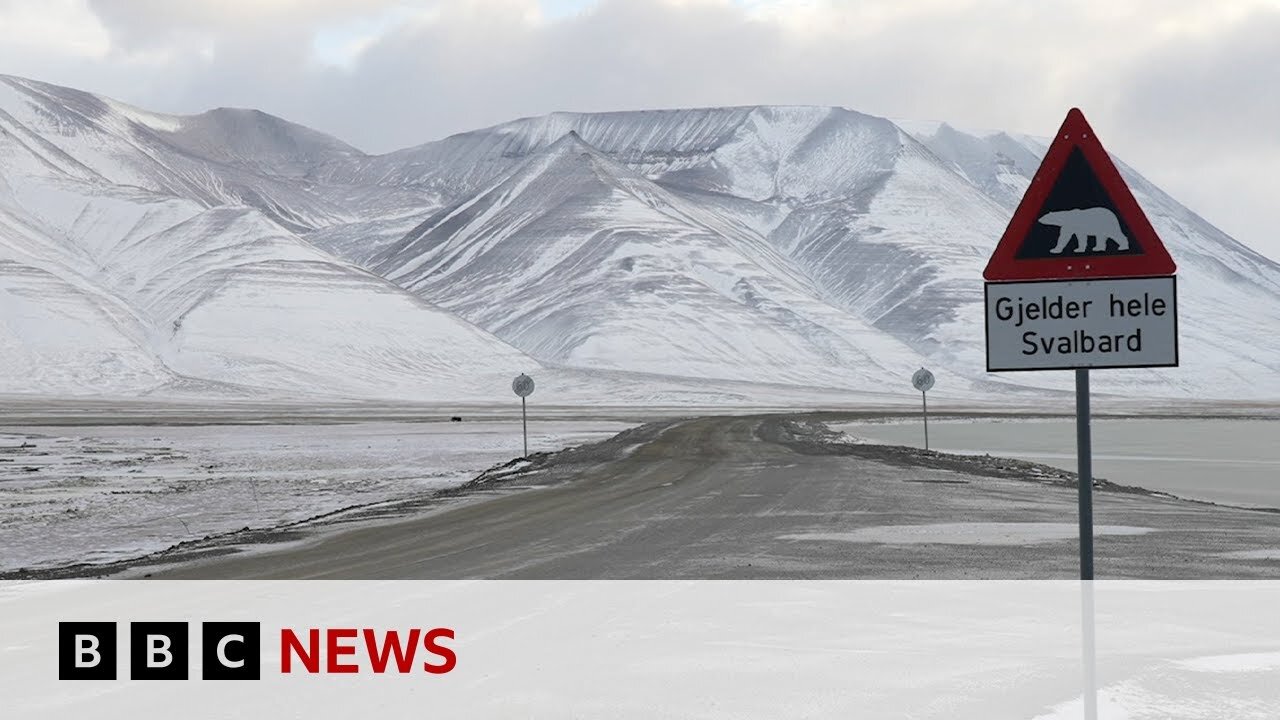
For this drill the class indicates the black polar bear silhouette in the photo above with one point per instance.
(1098, 223)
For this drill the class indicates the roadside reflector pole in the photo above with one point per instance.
(1084, 472)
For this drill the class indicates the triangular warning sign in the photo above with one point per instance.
(1078, 219)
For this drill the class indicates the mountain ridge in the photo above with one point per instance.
(813, 246)
(616, 269)
(118, 287)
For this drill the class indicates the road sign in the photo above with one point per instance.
(1063, 325)
(1101, 292)
(522, 385)
(1078, 219)
(922, 380)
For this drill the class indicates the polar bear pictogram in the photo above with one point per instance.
(1098, 223)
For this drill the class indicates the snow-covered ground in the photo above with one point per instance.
(972, 533)
(96, 494)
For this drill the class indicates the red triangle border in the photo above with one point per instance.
(1004, 264)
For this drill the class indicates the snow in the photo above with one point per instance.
(1179, 688)
(56, 338)
(1264, 554)
(891, 228)
(96, 494)
(114, 291)
(586, 264)
(1243, 662)
(809, 247)
(155, 121)
(976, 533)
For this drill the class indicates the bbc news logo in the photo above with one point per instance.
(233, 651)
(159, 651)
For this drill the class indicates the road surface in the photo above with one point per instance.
(768, 497)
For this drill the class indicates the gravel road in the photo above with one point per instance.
(759, 497)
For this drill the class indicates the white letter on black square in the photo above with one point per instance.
(158, 651)
(86, 651)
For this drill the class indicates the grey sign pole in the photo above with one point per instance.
(523, 386)
(922, 380)
(924, 403)
(1084, 470)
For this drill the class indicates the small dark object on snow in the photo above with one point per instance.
(455, 418)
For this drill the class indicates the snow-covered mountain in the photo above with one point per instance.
(130, 264)
(700, 249)
(890, 223)
(584, 262)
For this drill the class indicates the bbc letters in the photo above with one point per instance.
(234, 651)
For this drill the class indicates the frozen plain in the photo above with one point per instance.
(93, 494)
(1231, 461)
(112, 483)
(751, 497)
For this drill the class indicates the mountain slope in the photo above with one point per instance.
(889, 226)
(114, 282)
(222, 157)
(582, 262)
(804, 247)
(59, 338)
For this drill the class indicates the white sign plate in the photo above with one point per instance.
(522, 385)
(1067, 324)
(922, 380)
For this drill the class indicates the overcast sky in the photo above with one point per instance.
(1186, 91)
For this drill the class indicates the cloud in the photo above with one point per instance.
(56, 28)
(1186, 91)
(1201, 111)
(139, 22)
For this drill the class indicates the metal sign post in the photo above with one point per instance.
(523, 386)
(924, 405)
(1084, 473)
(922, 380)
